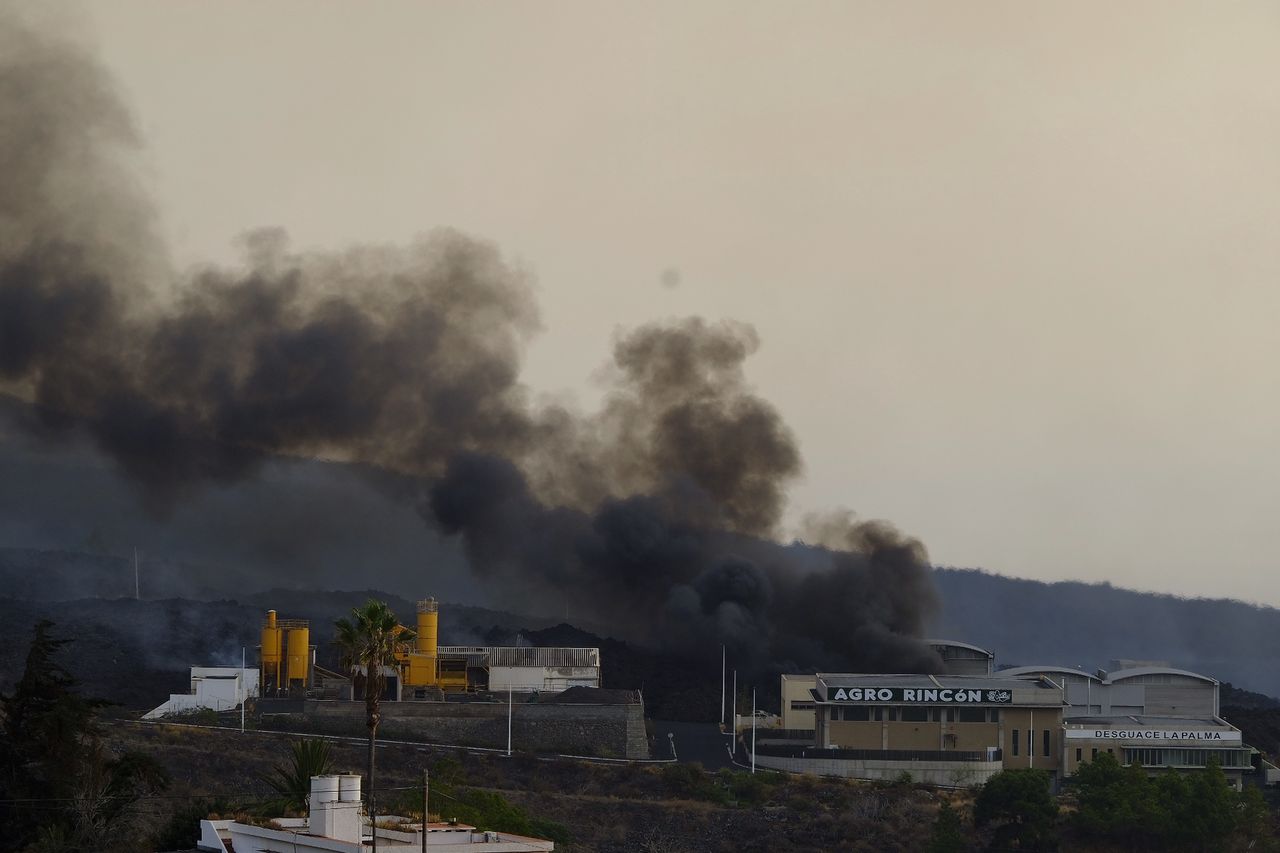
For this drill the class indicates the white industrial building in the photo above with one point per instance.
(214, 688)
(337, 824)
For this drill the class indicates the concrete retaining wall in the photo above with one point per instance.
(598, 730)
(957, 774)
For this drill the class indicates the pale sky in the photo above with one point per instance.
(1014, 265)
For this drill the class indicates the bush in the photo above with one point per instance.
(1017, 803)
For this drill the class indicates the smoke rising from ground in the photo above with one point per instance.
(656, 512)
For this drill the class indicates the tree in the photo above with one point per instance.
(292, 781)
(61, 789)
(947, 836)
(1017, 803)
(368, 641)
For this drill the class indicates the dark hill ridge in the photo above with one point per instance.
(1022, 621)
(1088, 625)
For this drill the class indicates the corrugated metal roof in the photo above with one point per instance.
(977, 682)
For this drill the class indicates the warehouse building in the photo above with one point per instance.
(1153, 715)
(962, 728)
(944, 730)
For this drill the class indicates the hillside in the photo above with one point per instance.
(136, 652)
(1089, 625)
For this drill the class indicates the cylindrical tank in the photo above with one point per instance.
(270, 642)
(299, 653)
(428, 625)
(324, 789)
(349, 788)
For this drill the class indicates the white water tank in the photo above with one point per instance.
(324, 789)
(349, 788)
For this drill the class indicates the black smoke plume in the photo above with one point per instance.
(659, 512)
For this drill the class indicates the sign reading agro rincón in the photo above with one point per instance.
(922, 696)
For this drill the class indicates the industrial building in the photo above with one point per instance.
(213, 688)
(423, 670)
(960, 729)
(336, 823)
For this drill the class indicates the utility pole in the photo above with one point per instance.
(244, 690)
(753, 730)
(735, 703)
(137, 589)
(724, 662)
(426, 801)
(509, 707)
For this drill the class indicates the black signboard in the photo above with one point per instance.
(920, 696)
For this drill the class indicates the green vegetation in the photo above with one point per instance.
(61, 789)
(726, 787)
(948, 834)
(1018, 806)
(1172, 811)
(292, 781)
(452, 800)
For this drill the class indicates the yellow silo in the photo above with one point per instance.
(270, 653)
(299, 652)
(422, 663)
(428, 625)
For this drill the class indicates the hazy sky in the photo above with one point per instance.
(1014, 265)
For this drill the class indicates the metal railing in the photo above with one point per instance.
(787, 751)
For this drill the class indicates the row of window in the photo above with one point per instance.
(914, 714)
(1015, 744)
(1182, 757)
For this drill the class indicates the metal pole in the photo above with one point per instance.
(1031, 741)
(753, 730)
(509, 706)
(426, 814)
(137, 590)
(244, 690)
(735, 703)
(724, 662)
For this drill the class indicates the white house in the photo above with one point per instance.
(217, 688)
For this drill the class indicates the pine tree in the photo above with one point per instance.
(60, 787)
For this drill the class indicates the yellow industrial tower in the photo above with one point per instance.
(285, 656)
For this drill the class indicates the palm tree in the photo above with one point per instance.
(292, 781)
(368, 640)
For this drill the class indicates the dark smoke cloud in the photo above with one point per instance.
(658, 512)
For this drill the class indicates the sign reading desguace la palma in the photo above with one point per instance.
(1158, 735)
(921, 695)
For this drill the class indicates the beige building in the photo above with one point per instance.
(947, 729)
(962, 728)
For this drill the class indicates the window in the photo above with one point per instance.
(879, 714)
(951, 715)
(1046, 743)
(1031, 742)
(1095, 753)
(802, 706)
(914, 715)
(1079, 754)
(860, 713)
(893, 714)
(995, 715)
(1015, 741)
(972, 715)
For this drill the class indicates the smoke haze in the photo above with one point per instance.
(657, 513)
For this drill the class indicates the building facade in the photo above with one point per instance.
(963, 727)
